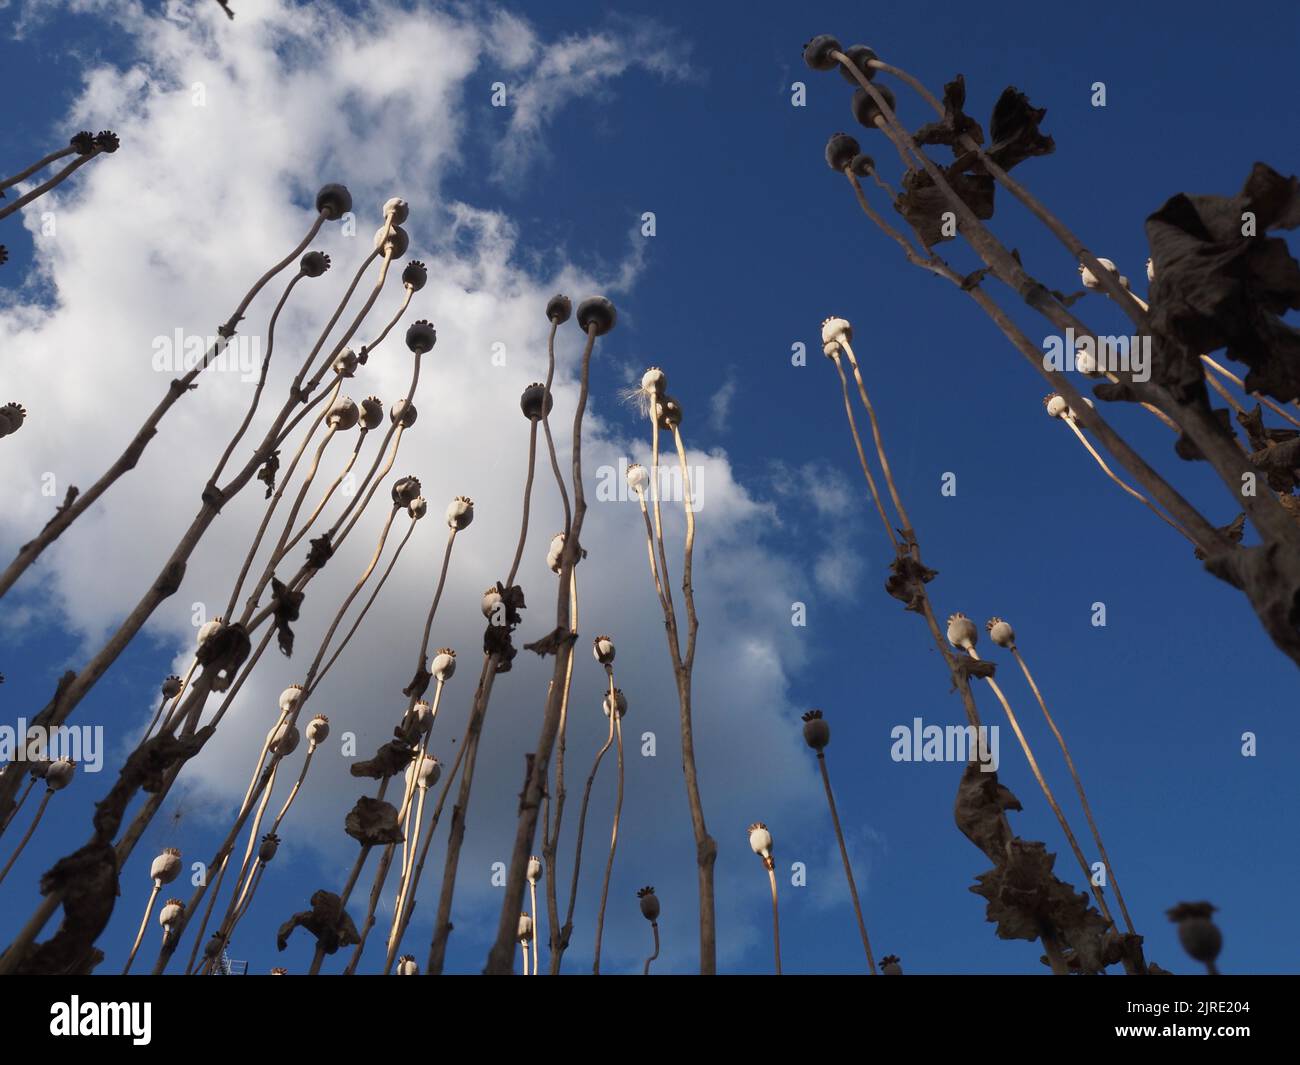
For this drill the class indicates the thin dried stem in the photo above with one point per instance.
(848, 866)
(616, 719)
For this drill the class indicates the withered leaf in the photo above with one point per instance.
(327, 920)
(285, 604)
(924, 204)
(389, 760)
(372, 822)
(908, 580)
(1013, 130)
(955, 121)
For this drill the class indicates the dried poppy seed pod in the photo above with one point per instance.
(83, 141)
(654, 381)
(314, 263)
(397, 210)
(525, 930)
(421, 336)
(343, 414)
(558, 309)
(405, 491)
(598, 314)
(270, 845)
(166, 867)
(536, 402)
(668, 412)
(620, 700)
(172, 911)
(1085, 361)
(318, 730)
(415, 275)
(1091, 281)
(345, 363)
(962, 632)
(38, 767)
(210, 629)
(423, 717)
(107, 141)
(372, 413)
(290, 698)
(418, 508)
(443, 666)
(491, 600)
(12, 416)
(603, 648)
(460, 512)
(554, 552)
(392, 242)
(840, 151)
(333, 201)
(816, 732)
(425, 771)
(638, 477)
(534, 871)
(403, 413)
(1055, 404)
(1151, 270)
(760, 841)
(817, 53)
(865, 108)
(60, 773)
(890, 966)
(284, 741)
(860, 56)
(862, 165)
(1000, 632)
(835, 331)
(406, 966)
(1197, 932)
(171, 687)
(279, 971)
(649, 903)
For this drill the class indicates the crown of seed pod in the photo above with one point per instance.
(638, 477)
(841, 150)
(598, 314)
(415, 275)
(406, 966)
(397, 209)
(59, 774)
(313, 263)
(860, 56)
(1197, 932)
(443, 666)
(318, 729)
(649, 903)
(654, 381)
(290, 698)
(554, 551)
(345, 363)
(491, 600)
(460, 512)
(171, 912)
(405, 491)
(107, 141)
(284, 741)
(536, 402)
(392, 242)
(1055, 404)
(12, 416)
(620, 700)
(525, 929)
(668, 412)
(862, 165)
(558, 309)
(962, 632)
(83, 141)
(171, 686)
(816, 732)
(372, 413)
(603, 648)
(279, 971)
(1000, 632)
(270, 845)
(166, 867)
(418, 508)
(403, 413)
(343, 414)
(817, 52)
(534, 871)
(333, 201)
(890, 966)
(209, 629)
(835, 331)
(865, 108)
(1091, 281)
(421, 336)
(760, 840)
(1151, 270)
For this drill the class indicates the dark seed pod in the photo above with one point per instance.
(415, 275)
(890, 965)
(106, 141)
(4, 255)
(669, 412)
(171, 687)
(860, 55)
(863, 165)
(865, 109)
(406, 490)
(816, 732)
(596, 313)
(817, 52)
(372, 413)
(83, 142)
(314, 263)
(536, 402)
(1197, 932)
(840, 151)
(421, 336)
(333, 201)
(12, 416)
(559, 308)
(649, 903)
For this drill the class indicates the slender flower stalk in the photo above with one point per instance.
(650, 911)
(760, 842)
(86, 147)
(166, 868)
(615, 708)
(534, 874)
(58, 775)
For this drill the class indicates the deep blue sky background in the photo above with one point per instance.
(758, 241)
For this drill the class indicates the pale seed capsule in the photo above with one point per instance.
(425, 771)
(418, 508)
(534, 873)
(318, 729)
(1055, 404)
(835, 330)
(423, 717)
(343, 415)
(290, 698)
(279, 971)
(403, 413)
(554, 552)
(525, 931)
(1085, 361)
(654, 380)
(760, 840)
(171, 687)
(1151, 270)
(443, 666)
(406, 966)
(1000, 632)
(394, 242)
(620, 701)
(209, 630)
(398, 210)
(603, 648)
(638, 477)
(460, 512)
(173, 910)
(60, 773)
(491, 600)
(166, 867)
(1091, 281)
(649, 903)
(345, 363)
(285, 739)
(962, 632)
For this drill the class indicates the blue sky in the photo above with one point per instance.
(756, 242)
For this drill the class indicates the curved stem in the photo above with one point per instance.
(844, 857)
(613, 836)
(40, 164)
(144, 923)
(40, 810)
(654, 927)
(567, 929)
(45, 186)
(776, 917)
(31, 783)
